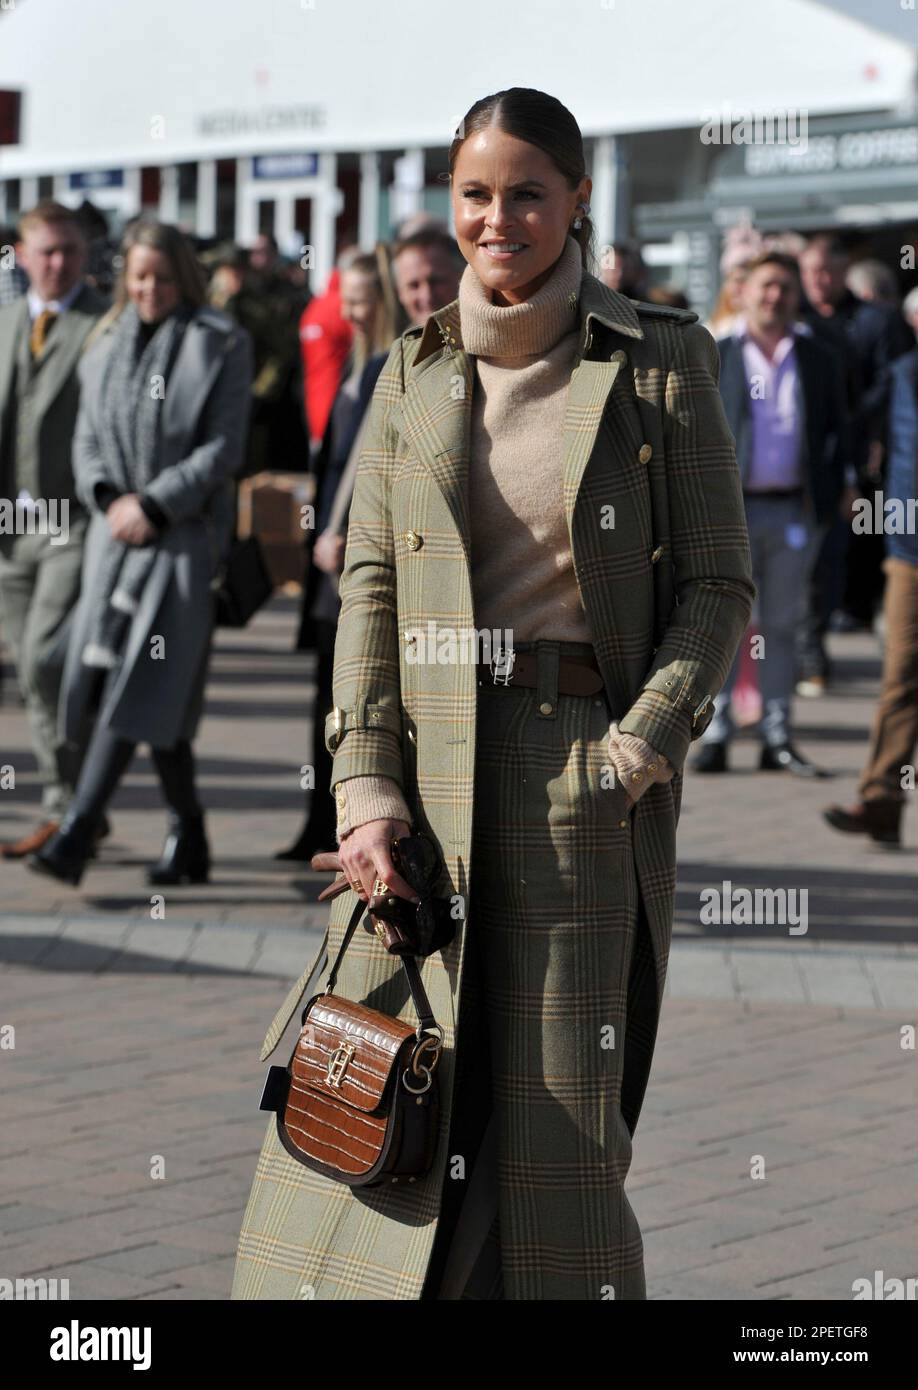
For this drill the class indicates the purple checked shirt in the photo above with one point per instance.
(776, 413)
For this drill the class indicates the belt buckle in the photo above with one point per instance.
(502, 665)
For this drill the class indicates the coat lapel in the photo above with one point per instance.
(437, 405)
(193, 373)
(15, 324)
(64, 345)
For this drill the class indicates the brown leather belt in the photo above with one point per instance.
(577, 675)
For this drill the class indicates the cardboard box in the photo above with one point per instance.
(270, 507)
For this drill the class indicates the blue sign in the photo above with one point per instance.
(285, 166)
(97, 178)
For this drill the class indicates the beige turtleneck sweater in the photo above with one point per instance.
(522, 572)
(521, 565)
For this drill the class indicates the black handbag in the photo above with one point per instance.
(242, 583)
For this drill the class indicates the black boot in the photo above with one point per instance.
(186, 854)
(65, 855)
(880, 819)
(102, 832)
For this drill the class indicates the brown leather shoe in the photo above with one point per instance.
(18, 849)
(879, 819)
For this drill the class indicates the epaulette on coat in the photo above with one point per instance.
(646, 310)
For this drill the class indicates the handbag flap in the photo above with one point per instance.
(346, 1050)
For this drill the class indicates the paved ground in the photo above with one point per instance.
(128, 1119)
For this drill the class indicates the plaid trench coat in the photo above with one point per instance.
(667, 590)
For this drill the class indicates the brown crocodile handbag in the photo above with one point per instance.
(359, 1101)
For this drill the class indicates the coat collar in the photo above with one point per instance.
(436, 409)
(444, 329)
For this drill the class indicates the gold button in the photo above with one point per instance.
(619, 356)
(636, 776)
(645, 453)
(651, 767)
(412, 540)
(622, 824)
(545, 708)
(656, 555)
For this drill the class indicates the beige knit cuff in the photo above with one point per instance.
(636, 763)
(360, 799)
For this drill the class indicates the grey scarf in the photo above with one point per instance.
(133, 389)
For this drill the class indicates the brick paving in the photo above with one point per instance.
(128, 1119)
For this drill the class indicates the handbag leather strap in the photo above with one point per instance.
(415, 983)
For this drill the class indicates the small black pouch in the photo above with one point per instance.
(423, 927)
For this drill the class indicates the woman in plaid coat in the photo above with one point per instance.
(548, 462)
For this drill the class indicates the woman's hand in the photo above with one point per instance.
(128, 522)
(364, 854)
(328, 552)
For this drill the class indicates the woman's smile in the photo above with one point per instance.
(503, 250)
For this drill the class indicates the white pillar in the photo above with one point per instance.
(246, 203)
(205, 212)
(132, 190)
(368, 212)
(407, 192)
(169, 193)
(284, 221)
(325, 209)
(28, 192)
(610, 201)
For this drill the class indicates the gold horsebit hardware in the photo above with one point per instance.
(337, 1063)
(339, 1059)
(502, 664)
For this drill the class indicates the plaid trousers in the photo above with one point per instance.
(558, 1014)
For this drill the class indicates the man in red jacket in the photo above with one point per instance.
(325, 340)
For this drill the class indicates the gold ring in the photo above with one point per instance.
(356, 885)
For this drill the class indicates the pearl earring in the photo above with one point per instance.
(578, 221)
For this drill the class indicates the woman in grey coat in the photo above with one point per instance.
(160, 434)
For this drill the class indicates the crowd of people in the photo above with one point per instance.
(819, 368)
(110, 625)
(110, 621)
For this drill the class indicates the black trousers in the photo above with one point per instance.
(106, 761)
(321, 821)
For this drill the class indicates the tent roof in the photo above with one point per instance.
(106, 86)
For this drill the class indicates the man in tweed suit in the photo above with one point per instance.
(667, 593)
(42, 337)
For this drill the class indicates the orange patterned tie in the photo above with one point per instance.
(40, 331)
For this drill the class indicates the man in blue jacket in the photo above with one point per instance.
(890, 770)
